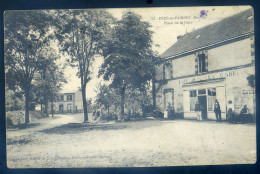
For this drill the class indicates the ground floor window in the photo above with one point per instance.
(211, 98)
(193, 98)
(210, 92)
(168, 98)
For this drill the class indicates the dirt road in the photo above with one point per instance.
(67, 142)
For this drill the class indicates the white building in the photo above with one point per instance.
(207, 64)
(68, 103)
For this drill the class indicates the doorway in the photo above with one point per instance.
(203, 106)
(60, 108)
(69, 108)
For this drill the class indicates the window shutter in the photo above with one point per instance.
(206, 60)
(171, 69)
(163, 72)
(196, 64)
(252, 49)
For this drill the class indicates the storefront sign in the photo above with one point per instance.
(209, 76)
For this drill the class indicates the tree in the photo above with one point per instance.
(26, 32)
(50, 77)
(106, 96)
(251, 80)
(83, 36)
(13, 99)
(129, 59)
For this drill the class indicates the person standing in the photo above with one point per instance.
(217, 110)
(243, 116)
(230, 107)
(197, 110)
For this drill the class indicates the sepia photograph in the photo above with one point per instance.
(130, 87)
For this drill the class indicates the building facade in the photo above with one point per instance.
(210, 63)
(67, 103)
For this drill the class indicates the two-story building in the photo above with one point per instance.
(70, 102)
(210, 63)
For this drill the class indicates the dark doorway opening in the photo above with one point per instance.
(203, 106)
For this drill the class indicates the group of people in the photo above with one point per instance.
(242, 117)
(217, 110)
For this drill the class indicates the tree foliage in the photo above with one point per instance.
(251, 80)
(26, 34)
(129, 60)
(83, 35)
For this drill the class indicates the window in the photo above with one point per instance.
(202, 63)
(202, 92)
(167, 70)
(211, 98)
(168, 98)
(193, 98)
(61, 98)
(69, 97)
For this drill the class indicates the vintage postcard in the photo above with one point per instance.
(130, 87)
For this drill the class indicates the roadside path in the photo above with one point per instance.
(45, 123)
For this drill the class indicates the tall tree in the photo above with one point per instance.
(50, 77)
(83, 35)
(26, 32)
(129, 59)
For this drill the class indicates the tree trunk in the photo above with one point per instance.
(122, 103)
(27, 104)
(142, 106)
(52, 112)
(85, 106)
(153, 92)
(45, 104)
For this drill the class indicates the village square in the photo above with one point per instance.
(111, 88)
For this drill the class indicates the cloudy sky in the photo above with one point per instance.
(167, 24)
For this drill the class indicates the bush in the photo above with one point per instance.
(244, 118)
(157, 114)
(135, 116)
(171, 113)
(14, 118)
(148, 110)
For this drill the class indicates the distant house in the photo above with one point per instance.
(210, 63)
(69, 102)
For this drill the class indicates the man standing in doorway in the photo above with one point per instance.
(217, 110)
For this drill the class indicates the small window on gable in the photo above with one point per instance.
(69, 97)
(202, 63)
(168, 72)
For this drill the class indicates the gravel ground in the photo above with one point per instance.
(64, 141)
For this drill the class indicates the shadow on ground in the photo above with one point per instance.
(72, 128)
(21, 141)
(23, 126)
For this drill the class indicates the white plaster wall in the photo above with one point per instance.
(78, 100)
(184, 66)
(233, 54)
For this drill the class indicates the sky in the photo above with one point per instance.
(167, 23)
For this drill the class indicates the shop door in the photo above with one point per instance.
(203, 106)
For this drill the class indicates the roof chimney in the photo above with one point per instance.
(179, 36)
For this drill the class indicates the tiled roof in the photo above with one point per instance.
(230, 27)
